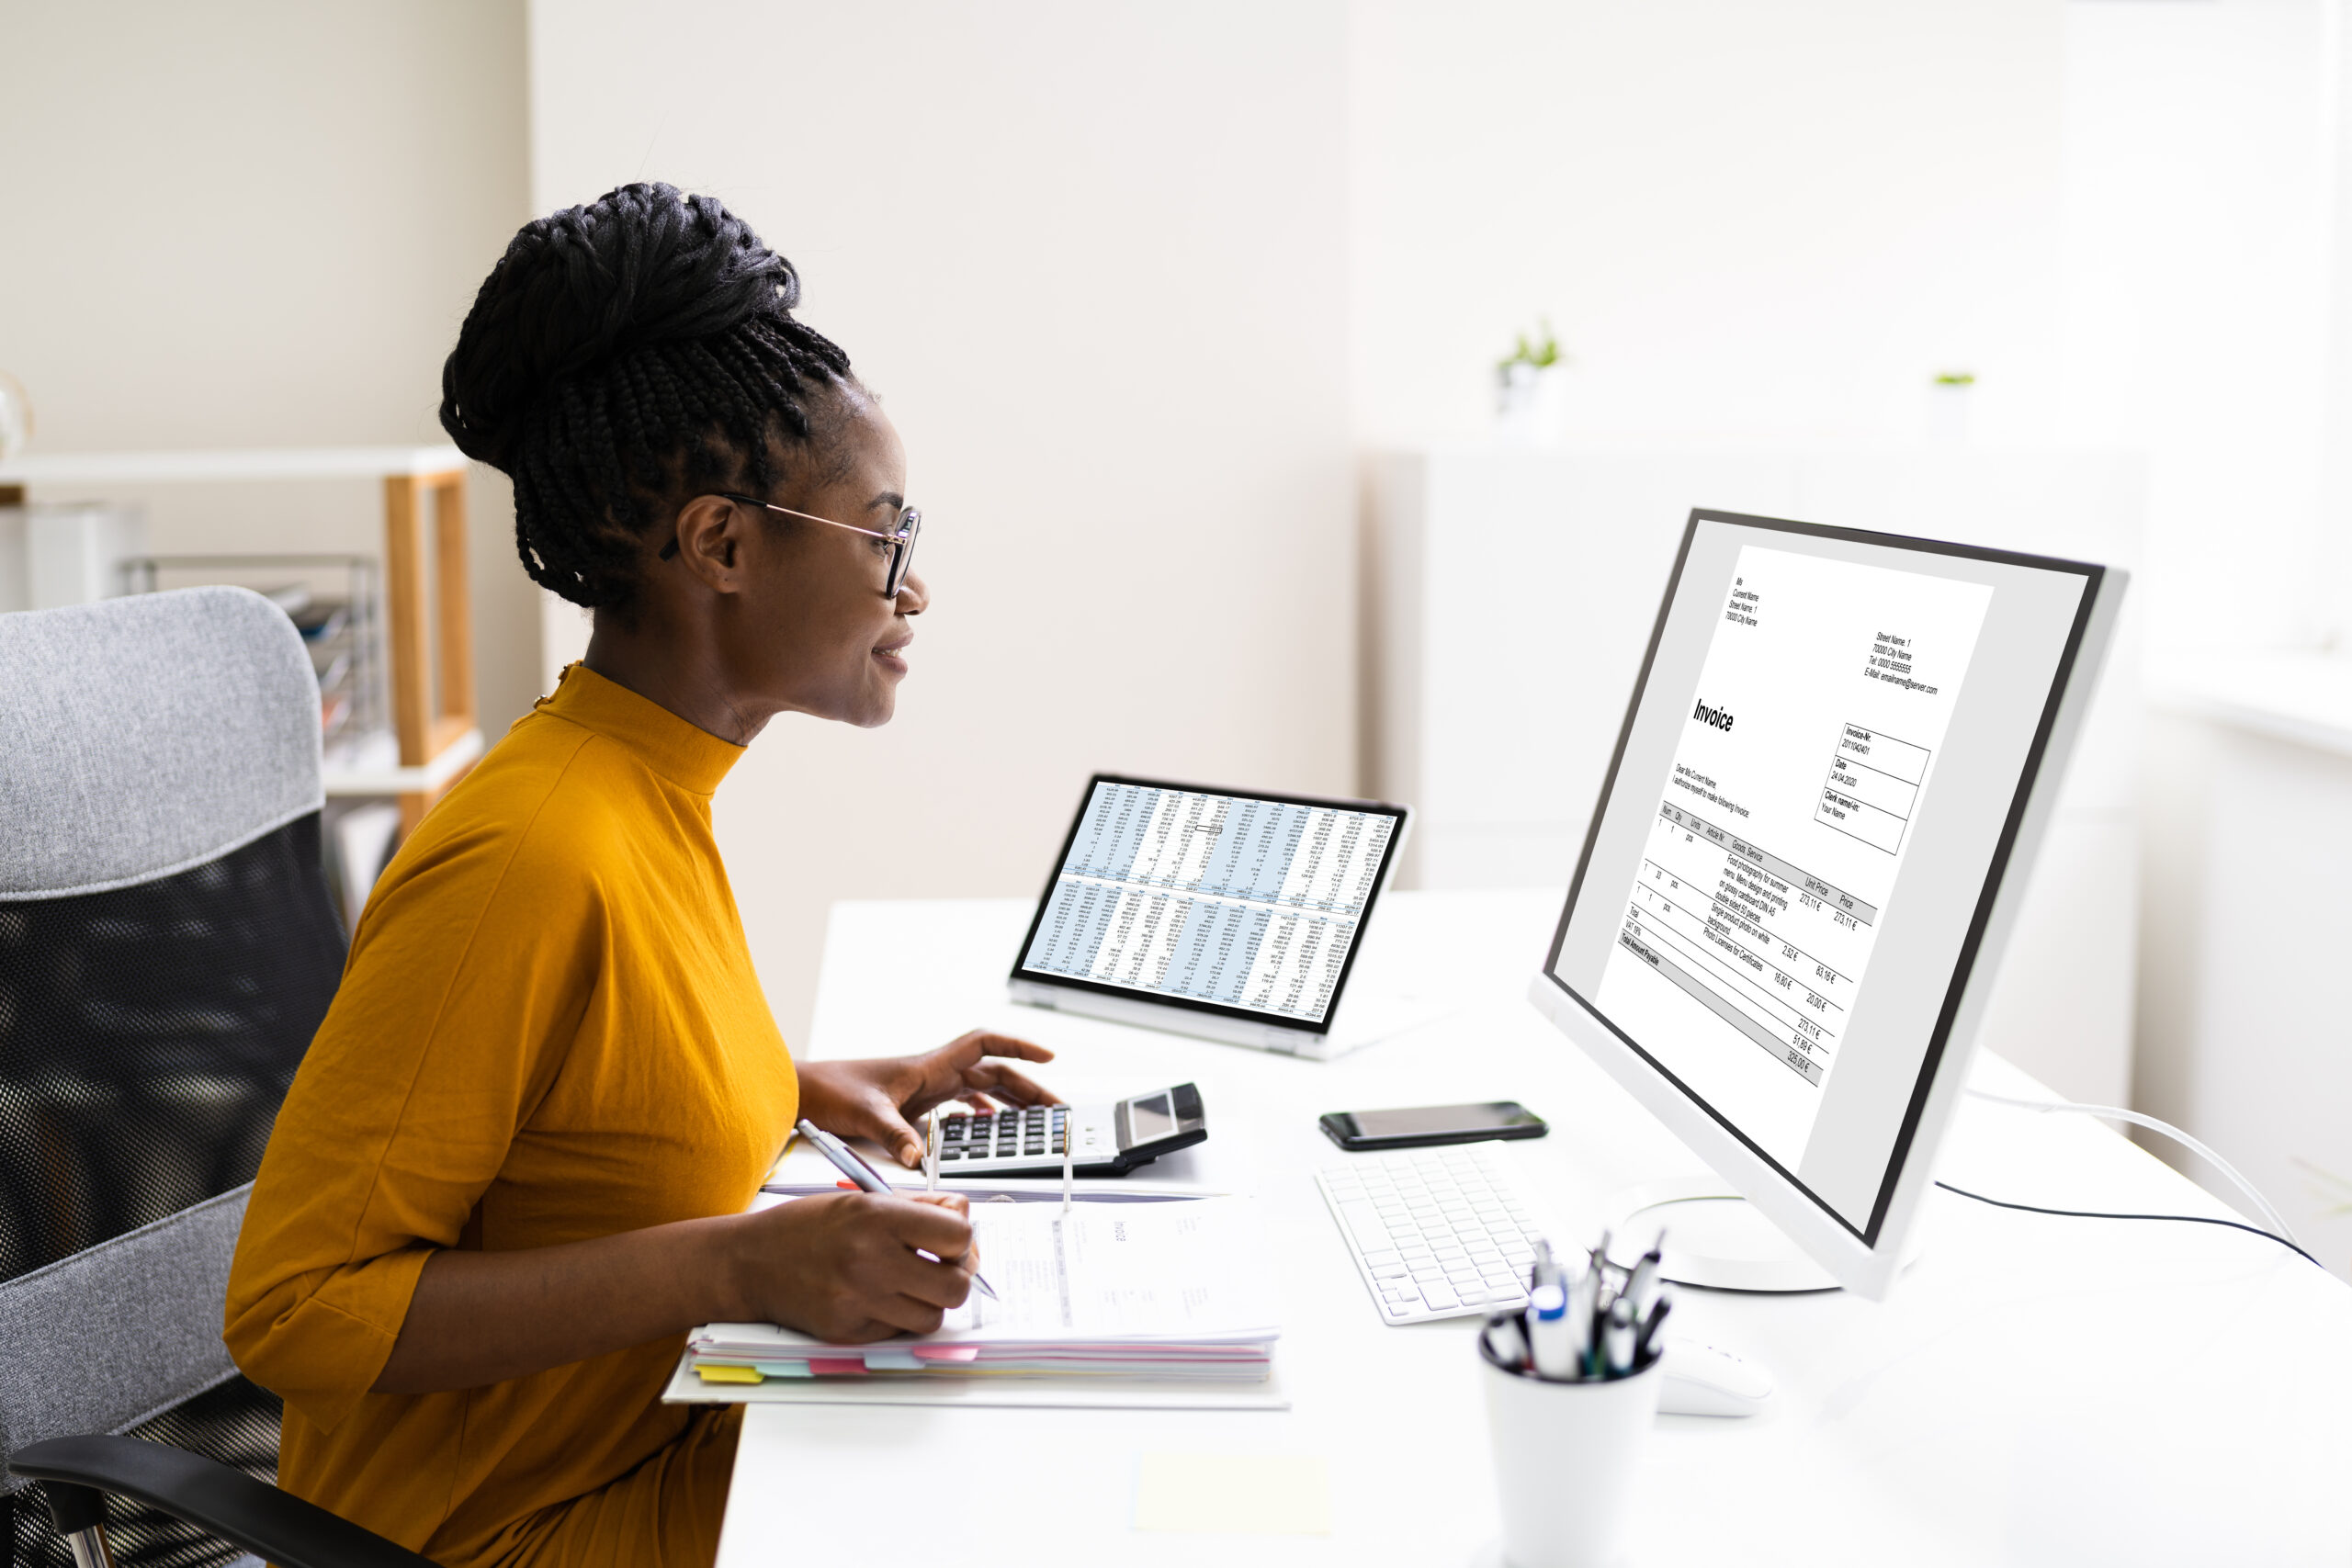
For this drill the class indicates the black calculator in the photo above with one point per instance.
(1102, 1140)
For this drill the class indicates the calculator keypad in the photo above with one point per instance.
(1033, 1134)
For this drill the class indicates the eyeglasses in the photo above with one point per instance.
(900, 539)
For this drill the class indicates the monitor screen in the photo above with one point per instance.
(1241, 903)
(1815, 793)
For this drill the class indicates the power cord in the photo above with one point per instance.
(2098, 1214)
(2283, 1235)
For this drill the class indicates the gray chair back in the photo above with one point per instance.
(167, 948)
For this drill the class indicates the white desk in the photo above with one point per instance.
(2038, 1389)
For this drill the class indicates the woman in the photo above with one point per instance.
(514, 1167)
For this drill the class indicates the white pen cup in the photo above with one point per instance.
(1565, 1456)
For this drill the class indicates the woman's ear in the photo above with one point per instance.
(708, 536)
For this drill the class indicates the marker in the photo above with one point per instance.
(1548, 1335)
(845, 1159)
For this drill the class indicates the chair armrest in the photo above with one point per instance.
(274, 1525)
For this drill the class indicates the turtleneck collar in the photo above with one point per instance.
(693, 759)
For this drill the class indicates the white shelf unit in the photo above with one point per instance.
(1510, 596)
(432, 686)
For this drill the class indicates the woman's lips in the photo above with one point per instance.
(893, 654)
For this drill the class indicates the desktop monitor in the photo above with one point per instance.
(1839, 756)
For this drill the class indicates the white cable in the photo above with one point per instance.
(2117, 1113)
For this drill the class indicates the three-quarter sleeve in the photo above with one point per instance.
(466, 982)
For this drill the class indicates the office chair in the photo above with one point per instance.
(167, 948)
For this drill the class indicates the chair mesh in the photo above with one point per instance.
(147, 1037)
(235, 1424)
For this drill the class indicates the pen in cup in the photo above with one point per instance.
(1619, 1337)
(1642, 1285)
(1550, 1343)
(866, 1179)
(1647, 1335)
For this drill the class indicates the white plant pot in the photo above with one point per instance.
(1531, 404)
(1948, 414)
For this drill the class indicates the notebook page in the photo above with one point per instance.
(1114, 1271)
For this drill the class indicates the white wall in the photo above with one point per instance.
(2207, 322)
(1750, 220)
(2201, 286)
(257, 223)
(1093, 259)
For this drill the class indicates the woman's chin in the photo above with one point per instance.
(875, 709)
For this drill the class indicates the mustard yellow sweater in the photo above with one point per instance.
(548, 1030)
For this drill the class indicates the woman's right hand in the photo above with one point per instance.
(842, 1266)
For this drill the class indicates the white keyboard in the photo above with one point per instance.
(1436, 1233)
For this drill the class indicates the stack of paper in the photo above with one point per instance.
(1174, 1290)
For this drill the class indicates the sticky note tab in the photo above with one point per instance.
(710, 1374)
(837, 1365)
(1233, 1494)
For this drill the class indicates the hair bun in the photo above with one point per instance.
(639, 265)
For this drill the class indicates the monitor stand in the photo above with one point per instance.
(1715, 1238)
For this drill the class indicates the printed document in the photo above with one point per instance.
(1803, 769)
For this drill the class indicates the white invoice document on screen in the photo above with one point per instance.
(1806, 759)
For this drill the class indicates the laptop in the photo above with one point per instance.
(1234, 915)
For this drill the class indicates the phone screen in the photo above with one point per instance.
(1422, 1120)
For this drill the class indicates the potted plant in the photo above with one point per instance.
(1948, 408)
(1531, 390)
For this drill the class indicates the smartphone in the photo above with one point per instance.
(1421, 1125)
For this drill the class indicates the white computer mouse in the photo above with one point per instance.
(1703, 1381)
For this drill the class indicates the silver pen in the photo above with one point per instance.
(1619, 1339)
(866, 1179)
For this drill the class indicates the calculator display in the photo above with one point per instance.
(1149, 1118)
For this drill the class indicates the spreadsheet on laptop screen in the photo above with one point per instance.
(1228, 899)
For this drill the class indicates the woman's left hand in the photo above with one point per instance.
(880, 1097)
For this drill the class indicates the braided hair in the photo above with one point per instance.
(623, 356)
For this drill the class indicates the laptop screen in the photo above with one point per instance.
(1242, 904)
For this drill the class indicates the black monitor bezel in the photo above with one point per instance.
(1399, 814)
(1964, 964)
